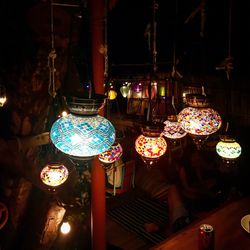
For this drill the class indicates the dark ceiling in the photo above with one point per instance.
(127, 23)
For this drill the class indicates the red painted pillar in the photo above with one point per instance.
(97, 14)
(98, 199)
(98, 206)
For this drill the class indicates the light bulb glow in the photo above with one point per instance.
(82, 136)
(54, 175)
(200, 121)
(65, 228)
(228, 149)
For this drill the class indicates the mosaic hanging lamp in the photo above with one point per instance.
(199, 120)
(54, 175)
(112, 94)
(83, 133)
(137, 87)
(125, 89)
(111, 155)
(228, 149)
(173, 129)
(150, 145)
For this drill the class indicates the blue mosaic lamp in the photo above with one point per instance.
(83, 133)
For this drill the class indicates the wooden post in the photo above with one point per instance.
(98, 198)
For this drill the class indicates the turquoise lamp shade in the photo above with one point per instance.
(83, 133)
(82, 136)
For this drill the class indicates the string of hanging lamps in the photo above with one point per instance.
(82, 134)
(151, 145)
(228, 148)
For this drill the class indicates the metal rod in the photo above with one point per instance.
(66, 5)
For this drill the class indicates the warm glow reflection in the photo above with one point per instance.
(150, 147)
(199, 121)
(228, 149)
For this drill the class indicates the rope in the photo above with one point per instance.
(52, 55)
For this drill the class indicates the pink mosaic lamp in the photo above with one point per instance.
(111, 155)
(199, 120)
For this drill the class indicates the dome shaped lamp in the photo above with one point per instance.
(199, 120)
(111, 155)
(83, 133)
(54, 175)
(173, 129)
(228, 149)
(150, 145)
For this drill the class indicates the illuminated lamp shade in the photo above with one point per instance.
(150, 145)
(162, 91)
(54, 175)
(228, 149)
(112, 94)
(3, 97)
(173, 129)
(200, 121)
(124, 90)
(137, 87)
(113, 154)
(83, 133)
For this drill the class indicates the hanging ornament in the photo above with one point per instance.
(228, 149)
(137, 87)
(125, 89)
(150, 145)
(112, 94)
